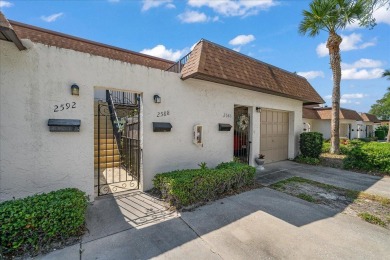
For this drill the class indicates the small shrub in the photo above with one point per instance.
(186, 187)
(31, 224)
(325, 147)
(371, 156)
(383, 128)
(203, 165)
(311, 144)
(307, 160)
(380, 134)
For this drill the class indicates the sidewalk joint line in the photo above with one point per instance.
(210, 247)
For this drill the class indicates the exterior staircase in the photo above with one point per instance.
(109, 152)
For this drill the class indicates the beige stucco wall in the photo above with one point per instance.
(32, 82)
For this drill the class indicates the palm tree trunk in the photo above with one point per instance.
(333, 44)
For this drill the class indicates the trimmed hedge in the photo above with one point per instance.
(368, 156)
(186, 187)
(380, 134)
(31, 224)
(311, 144)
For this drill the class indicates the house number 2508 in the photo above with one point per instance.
(59, 108)
(163, 113)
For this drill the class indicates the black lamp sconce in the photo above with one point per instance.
(258, 109)
(157, 99)
(75, 90)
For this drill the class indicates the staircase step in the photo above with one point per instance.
(104, 152)
(103, 130)
(107, 165)
(109, 159)
(104, 146)
(105, 141)
(104, 136)
(103, 124)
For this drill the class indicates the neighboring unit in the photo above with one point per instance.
(352, 124)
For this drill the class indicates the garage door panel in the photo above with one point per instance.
(274, 130)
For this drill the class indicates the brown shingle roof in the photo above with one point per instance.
(212, 62)
(369, 118)
(309, 113)
(51, 38)
(326, 113)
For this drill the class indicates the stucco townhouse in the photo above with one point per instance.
(77, 113)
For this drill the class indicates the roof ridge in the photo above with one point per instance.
(246, 56)
(12, 22)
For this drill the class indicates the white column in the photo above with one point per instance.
(254, 134)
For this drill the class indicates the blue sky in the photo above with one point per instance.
(264, 29)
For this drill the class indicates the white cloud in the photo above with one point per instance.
(362, 63)
(233, 7)
(346, 98)
(170, 6)
(148, 4)
(362, 74)
(312, 74)
(5, 4)
(350, 42)
(354, 95)
(242, 39)
(381, 15)
(345, 101)
(162, 52)
(193, 17)
(51, 18)
(237, 49)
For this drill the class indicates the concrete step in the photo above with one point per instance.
(109, 159)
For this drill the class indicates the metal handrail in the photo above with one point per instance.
(114, 118)
(178, 66)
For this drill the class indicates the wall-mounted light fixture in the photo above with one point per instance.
(258, 109)
(74, 90)
(157, 99)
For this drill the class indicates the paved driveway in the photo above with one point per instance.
(259, 224)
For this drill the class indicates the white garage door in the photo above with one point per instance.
(274, 135)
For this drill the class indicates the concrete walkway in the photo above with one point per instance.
(258, 224)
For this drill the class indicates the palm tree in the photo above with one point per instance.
(386, 73)
(332, 16)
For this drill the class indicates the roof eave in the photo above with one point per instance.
(11, 36)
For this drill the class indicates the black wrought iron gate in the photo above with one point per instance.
(117, 143)
(242, 144)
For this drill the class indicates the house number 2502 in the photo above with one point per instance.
(59, 108)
